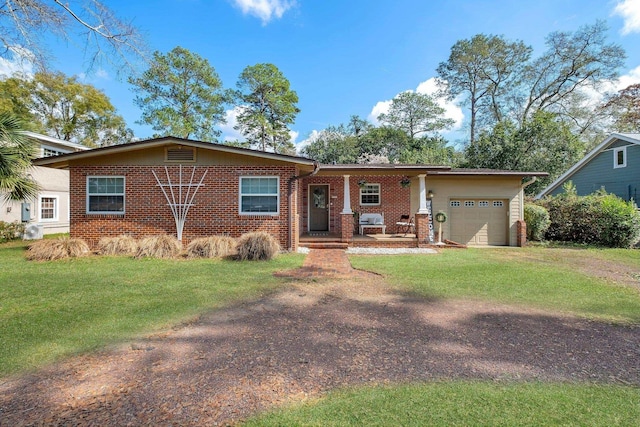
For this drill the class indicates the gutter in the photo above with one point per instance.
(316, 168)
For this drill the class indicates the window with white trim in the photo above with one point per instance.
(48, 208)
(370, 194)
(105, 194)
(454, 203)
(259, 195)
(498, 203)
(620, 157)
(469, 203)
(48, 152)
(483, 204)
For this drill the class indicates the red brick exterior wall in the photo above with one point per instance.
(215, 210)
(422, 227)
(394, 200)
(522, 233)
(347, 226)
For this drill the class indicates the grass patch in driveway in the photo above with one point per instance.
(53, 309)
(465, 404)
(539, 277)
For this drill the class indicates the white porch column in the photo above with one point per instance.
(423, 195)
(346, 196)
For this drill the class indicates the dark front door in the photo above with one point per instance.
(318, 208)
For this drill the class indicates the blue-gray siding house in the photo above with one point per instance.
(613, 165)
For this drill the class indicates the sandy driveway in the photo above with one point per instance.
(313, 337)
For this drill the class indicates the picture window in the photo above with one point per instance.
(105, 194)
(259, 195)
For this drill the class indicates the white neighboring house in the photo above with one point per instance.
(50, 209)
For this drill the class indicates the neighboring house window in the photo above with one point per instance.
(620, 157)
(370, 194)
(259, 195)
(48, 208)
(48, 152)
(105, 194)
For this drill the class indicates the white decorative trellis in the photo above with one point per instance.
(183, 200)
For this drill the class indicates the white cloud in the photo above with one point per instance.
(228, 132)
(265, 9)
(629, 10)
(294, 135)
(632, 77)
(595, 97)
(380, 108)
(311, 138)
(21, 62)
(452, 111)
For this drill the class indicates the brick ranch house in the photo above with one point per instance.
(193, 189)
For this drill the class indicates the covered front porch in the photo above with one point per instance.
(361, 207)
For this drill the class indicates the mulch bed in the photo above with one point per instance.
(315, 336)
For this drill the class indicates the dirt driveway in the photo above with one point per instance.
(310, 338)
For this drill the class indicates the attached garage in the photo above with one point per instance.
(479, 221)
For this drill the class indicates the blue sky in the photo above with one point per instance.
(345, 57)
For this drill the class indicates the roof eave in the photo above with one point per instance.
(63, 160)
(586, 159)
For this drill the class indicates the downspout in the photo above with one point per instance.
(316, 168)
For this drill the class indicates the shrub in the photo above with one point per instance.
(211, 247)
(161, 246)
(257, 246)
(600, 219)
(537, 219)
(52, 249)
(121, 245)
(10, 231)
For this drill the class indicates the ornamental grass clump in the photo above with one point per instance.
(212, 247)
(161, 246)
(121, 245)
(53, 249)
(257, 246)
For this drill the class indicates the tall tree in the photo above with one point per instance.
(342, 144)
(26, 24)
(544, 143)
(483, 69)
(65, 108)
(180, 95)
(573, 61)
(434, 150)
(624, 107)
(16, 153)
(415, 114)
(268, 107)
(333, 145)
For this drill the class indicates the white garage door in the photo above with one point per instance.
(479, 221)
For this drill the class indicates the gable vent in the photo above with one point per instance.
(181, 154)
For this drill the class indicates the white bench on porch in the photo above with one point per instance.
(372, 220)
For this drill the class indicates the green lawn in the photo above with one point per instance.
(539, 277)
(54, 309)
(465, 404)
(50, 310)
